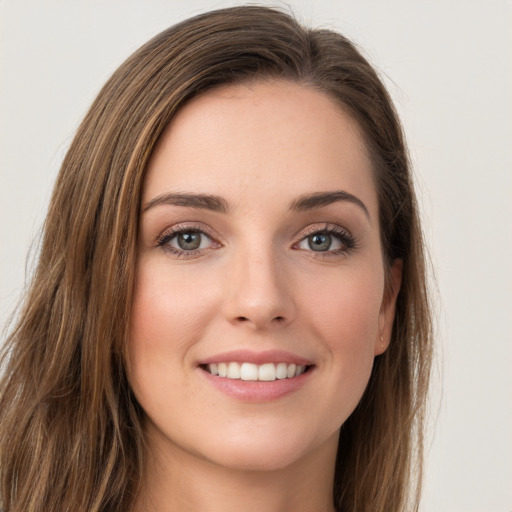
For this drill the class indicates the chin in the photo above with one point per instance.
(270, 452)
(258, 459)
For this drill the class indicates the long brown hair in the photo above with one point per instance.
(71, 434)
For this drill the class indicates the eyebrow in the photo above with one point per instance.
(202, 201)
(220, 205)
(320, 199)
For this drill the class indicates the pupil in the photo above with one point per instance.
(319, 242)
(190, 240)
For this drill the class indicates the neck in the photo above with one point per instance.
(177, 480)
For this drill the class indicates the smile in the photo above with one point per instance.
(255, 372)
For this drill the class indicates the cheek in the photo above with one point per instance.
(345, 318)
(169, 307)
(338, 313)
(346, 306)
(170, 313)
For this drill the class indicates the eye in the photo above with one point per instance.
(186, 241)
(320, 242)
(330, 239)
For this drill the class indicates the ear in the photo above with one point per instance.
(388, 308)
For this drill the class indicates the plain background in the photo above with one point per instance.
(447, 64)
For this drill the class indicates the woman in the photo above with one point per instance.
(230, 309)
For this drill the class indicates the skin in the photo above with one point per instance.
(255, 283)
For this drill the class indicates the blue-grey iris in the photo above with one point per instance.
(189, 240)
(319, 242)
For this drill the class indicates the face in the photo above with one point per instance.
(259, 300)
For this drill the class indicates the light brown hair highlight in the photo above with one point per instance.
(71, 435)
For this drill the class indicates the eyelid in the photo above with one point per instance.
(169, 233)
(343, 234)
(322, 227)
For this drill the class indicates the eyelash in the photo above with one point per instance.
(347, 240)
(168, 235)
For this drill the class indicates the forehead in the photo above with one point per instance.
(271, 140)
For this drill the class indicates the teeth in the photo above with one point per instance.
(250, 371)
(290, 371)
(233, 371)
(267, 372)
(281, 371)
(222, 369)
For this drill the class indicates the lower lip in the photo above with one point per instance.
(257, 391)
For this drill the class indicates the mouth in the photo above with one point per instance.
(257, 377)
(246, 371)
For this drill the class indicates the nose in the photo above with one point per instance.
(259, 291)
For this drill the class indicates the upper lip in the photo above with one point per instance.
(247, 356)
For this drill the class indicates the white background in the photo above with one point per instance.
(448, 65)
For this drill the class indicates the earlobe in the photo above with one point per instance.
(388, 307)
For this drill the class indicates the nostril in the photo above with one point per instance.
(245, 319)
(280, 319)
